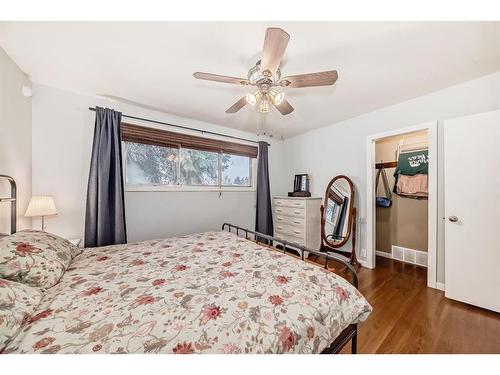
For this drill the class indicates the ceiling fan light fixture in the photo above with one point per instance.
(277, 96)
(264, 105)
(255, 75)
(252, 97)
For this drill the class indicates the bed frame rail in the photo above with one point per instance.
(348, 334)
(270, 240)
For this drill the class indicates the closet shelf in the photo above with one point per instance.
(387, 164)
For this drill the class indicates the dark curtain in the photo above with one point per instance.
(264, 217)
(105, 212)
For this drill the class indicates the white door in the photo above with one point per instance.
(472, 209)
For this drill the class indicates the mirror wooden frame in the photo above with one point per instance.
(351, 223)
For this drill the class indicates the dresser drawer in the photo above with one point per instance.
(289, 220)
(295, 203)
(290, 230)
(289, 211)
(289, 238)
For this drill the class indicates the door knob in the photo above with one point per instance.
(453, 218)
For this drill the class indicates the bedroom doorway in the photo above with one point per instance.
(402, 206)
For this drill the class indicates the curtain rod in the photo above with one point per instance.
(186, 127)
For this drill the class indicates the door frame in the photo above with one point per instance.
(432, 128)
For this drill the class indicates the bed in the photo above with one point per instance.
(213, 292)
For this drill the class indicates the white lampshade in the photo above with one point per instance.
(41, 205)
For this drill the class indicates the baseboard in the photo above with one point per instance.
(440, 286)
(364, 263)
(390, 256)
(383, 254)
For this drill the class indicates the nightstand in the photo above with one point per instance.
(75, 241)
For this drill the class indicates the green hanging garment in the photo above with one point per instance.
(413, 162)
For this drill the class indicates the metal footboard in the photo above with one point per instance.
(270, 241)
(348, 334)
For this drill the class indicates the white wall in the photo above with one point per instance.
(341, 148)
(62, 141)
(15, 141)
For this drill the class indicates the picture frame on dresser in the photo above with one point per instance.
(301, 183)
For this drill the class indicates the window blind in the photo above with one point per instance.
(165, 138)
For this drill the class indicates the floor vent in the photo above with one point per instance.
(398, 253)
(406, 255)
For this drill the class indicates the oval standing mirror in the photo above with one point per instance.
(337, 212)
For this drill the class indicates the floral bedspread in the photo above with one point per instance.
(205, 293)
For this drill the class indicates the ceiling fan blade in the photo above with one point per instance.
(219, 78)
(309, 80)
(237, 106)
(285, 108)
(275, 44)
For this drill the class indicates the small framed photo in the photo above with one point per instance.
(301, 182)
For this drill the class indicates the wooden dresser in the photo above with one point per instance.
(298, 220)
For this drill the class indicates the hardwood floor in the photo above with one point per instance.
(408, 317)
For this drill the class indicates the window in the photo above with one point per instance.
(235, 170)
(199, 167)
(150, 164)
(157, 159)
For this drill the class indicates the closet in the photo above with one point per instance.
(401, 171)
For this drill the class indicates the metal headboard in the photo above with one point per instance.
(12, 200)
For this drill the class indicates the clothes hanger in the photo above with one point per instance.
(411, 147)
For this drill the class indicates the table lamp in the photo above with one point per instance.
(41, 205)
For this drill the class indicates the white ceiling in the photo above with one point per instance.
(379, 64)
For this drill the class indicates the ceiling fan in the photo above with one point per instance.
(265, 76)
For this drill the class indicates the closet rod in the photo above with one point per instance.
(386, 164)
(185, 127)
